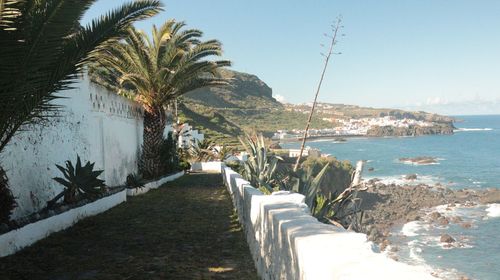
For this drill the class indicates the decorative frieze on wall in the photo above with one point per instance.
(109, 103)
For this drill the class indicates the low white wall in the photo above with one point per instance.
(94, 123)
(286, 242)
(210, 166)
(154, 185)
(15, 240)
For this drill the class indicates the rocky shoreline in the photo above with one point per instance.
(387, 206)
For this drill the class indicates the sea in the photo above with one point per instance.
(468, 159)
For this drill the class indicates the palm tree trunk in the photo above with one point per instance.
(154, 126)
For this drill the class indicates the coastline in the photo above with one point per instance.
(353, 136)
(390, 206)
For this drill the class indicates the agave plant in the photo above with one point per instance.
(134, 181)
(78, 181)
(224, 152)
(202, 151)
(7, 201)
(261, 168)
(336, 207)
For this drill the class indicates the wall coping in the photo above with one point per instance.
(286, 242)
(154, 184)
(17, 239)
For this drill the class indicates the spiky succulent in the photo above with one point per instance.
(79, 181)
(134, 181)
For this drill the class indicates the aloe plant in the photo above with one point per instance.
(78, 181)
(335, 207)
(261, 168)
(202, 151)
(134, 181)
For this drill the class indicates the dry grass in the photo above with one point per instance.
(184, 230)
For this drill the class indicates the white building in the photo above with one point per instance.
(189, 136)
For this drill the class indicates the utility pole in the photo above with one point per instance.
(335, 29)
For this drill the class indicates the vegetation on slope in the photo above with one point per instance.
(247, 105)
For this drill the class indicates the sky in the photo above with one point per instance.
(441, 56)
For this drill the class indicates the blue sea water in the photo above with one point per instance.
(468, 159)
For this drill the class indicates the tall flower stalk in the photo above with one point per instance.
(327, 56)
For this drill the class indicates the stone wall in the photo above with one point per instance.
(286, 242)
(94, 123)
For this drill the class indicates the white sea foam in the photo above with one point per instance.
(412, 228)
(401, 180)
(409, 162)
(472, 129)
(325, 140)
(493, 210)
(415, 251)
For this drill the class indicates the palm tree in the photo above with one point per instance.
(154, 72)
(43, 48)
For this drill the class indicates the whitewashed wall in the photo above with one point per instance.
(286, 242)
(96, 124)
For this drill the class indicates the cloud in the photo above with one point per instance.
(476, 105)
(437, 101)
(280, 98)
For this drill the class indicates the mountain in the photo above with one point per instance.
(247, 104)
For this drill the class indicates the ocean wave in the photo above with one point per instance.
(472, 129)
(324, 140)
(493, 210)
(415, 251)
(412, 228)
(409, 162)
(402, 180)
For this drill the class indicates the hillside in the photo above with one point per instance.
(247, 104)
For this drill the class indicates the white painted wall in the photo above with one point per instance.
(97, 124)
(286, 242)
(210, 166)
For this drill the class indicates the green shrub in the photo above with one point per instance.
(336, 178)
(169, 154)
(7, 200)
(184, 165)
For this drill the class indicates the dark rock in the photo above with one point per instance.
(434, 216)
(466, 225)
(411, 177)
(446, 238)
(371, 169)
(456, 219)
(443, 221)
(275, 146)
(384, 245)
(4, 228)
